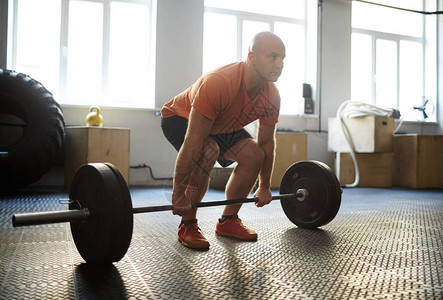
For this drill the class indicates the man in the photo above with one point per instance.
(205, 123)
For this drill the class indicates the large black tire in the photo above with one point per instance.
(32, 130)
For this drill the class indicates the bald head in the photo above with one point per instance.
(263, 38)
(265, 57)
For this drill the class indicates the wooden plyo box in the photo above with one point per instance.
(418, 161)
(96, 144)
(290, 148)
(369, 134)
(375, 169)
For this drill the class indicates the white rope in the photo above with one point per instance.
(356, 109)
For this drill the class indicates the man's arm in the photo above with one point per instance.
(198, 130)
(266, 140)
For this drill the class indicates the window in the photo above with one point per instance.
(229, 26)
(394, 56)
(86, 52)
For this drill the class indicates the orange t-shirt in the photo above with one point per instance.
(221, 96)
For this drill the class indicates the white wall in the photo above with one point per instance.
(179, 47)
(440, 66)
(179, 40)
(335, 57)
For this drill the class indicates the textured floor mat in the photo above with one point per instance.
(384, 243)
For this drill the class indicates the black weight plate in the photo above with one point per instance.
(335, 185)
(106, 236)
(323, 202)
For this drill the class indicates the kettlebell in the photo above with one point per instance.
(94, 118)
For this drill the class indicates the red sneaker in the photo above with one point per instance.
(190, 235)
(234, 228)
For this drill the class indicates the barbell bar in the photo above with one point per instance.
(101, 213)
(83, 214)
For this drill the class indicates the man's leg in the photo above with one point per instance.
(174, 129)
(189, 234)
(199, 181)
(249, 157)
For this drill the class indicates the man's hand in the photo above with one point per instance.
(181, 205)
(182, 202)
(264, 197)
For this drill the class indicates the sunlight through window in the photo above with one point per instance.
(128, 62)
(38, 45)
(86, 52)
(390, 50)
(230, 25)
(84, 79)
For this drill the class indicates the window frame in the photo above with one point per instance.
(310, 42)
(250, 16)
(397, 39)
(63, 51)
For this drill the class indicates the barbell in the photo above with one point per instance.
(101, 213)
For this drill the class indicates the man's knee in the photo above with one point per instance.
(253, 155)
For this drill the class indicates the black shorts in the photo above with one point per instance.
(174, 128)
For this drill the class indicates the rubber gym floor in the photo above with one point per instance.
(383, 244)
